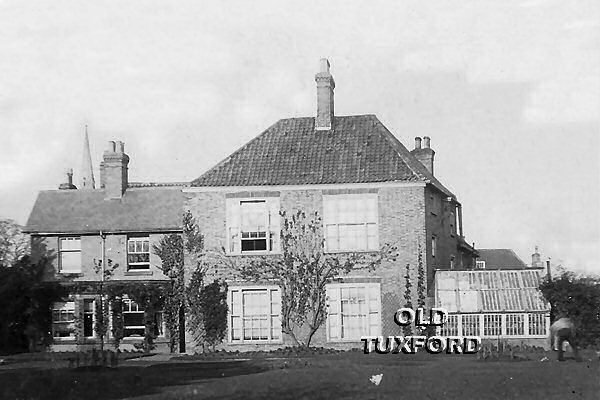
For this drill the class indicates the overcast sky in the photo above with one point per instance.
(508, 91)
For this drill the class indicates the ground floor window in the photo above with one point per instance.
(354, 310)
(255, 314)
(88, 317)
(133, 320)
(63, 320)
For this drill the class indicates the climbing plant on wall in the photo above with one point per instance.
(407, 330)
(170, 251)
(206, 302)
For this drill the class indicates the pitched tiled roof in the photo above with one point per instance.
(87, 211)
(500, 259)
(486, 291)
(359, 149)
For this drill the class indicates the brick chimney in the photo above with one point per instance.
(424, 154)
(325, 86)
(69, 184)
(536, 259)
(113, 170)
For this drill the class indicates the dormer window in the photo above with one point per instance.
(480, 264)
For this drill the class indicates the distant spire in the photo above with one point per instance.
(87, 172)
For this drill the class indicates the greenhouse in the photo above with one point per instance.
(495, 304)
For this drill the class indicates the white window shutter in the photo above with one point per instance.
(233, 225)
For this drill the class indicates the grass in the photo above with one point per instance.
(325, 376)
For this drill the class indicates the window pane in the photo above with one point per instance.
(254, 215)
(70, 244)
(133, 319)
(70, 261)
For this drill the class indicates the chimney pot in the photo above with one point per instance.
(325, 65)
(120, 147)
(426, 142)
(111, 146)
(417, 143)
(70, 176)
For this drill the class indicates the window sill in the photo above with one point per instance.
(64, 340)
(331, 252)
(244, 342)
(347, 340)
(70, 273)
(257, 253)
(141, 272)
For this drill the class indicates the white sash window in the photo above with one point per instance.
(354, 310)
(253, 225)
(254, 314)
(351, 222)
(70, 254)
(63, 320)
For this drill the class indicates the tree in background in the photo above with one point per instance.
(303, 271)
(25, 315)
(577, 297)
(14, 244)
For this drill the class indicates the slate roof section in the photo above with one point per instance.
(500, 259)
(490, 291)
(359, 149)
(87, 211)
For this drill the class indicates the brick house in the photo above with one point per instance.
(114, 226)
(369, 189)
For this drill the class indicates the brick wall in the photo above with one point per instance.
(401, 223)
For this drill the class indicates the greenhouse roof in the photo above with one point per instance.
(490, 291)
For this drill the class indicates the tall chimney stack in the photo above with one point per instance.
(325, 86)
(113, 170)
(424, 154)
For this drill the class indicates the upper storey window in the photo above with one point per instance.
(253, 225)
(351, 222)
(138, 253)
(69, 254)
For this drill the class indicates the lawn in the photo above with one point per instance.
(328, 376)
